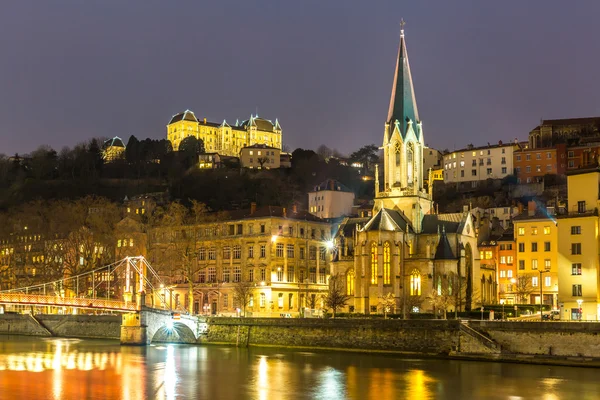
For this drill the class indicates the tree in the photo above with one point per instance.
(367, 155)
(523, 288)
(242, 292)
(444, 295)
(387, 304)
(336, 296)
(262, 161)
(324, 152)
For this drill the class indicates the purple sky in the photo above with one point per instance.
(483, 70)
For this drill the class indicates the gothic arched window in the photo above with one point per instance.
(410, 157)
(373, 263)
(386, 264)
(350, 283)
(415, 283)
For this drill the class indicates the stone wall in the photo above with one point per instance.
(427, 336)
(80, 326)
(566, 339)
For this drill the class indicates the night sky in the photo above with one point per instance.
(483, 70)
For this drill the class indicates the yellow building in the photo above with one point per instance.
(113, 149)
(223, 138)
(536, 237)
(579, 247)
(284, 256)
(260, 156)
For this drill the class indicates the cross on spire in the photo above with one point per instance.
(402, 23)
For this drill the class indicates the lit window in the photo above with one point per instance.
(373, 263)
(521, 231)
(350, 283)
(386, 263)
(534, 281)
(415, 283)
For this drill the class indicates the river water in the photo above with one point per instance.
(39, 368)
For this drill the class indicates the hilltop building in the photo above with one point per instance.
(113, 149)
(223, 138)
(330, 199)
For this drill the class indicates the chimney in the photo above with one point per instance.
(284, 212)
(294, 208)
(204, 121)
(252, 208)
(531, 208)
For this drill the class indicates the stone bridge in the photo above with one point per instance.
(151, 324)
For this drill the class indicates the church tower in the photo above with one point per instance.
(403, 149)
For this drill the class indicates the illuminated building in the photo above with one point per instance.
(260, 156)
(330, 199)
(223, 138)
(113, 149)
(404, 251)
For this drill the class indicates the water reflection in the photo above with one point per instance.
(65, 369)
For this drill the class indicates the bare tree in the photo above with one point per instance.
(523, 287)
(242, 292)
(336, 296)
(324, 152)
(387, 304)
(262, 161)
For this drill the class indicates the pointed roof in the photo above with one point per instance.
(116, 142)
(444, 251)
(403, 105)
(187, 115)
(388, 220)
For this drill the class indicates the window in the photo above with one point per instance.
(571, 164)
(373, 263)
(415, 283)
(521, 231)
(548, 155)
(528, 157)
(237, 252)
(546, 230)
(263, 300)
(576, 269)
(502, 274)
(474, 163)
(262, 228)
(280, 300)
(263, 251)
(534, 230)
(301, 253)
(237, 274)
(212, 274)
(518, 157)
(251, 275)
(577, 290)
(226, 252)
(263, 274)
(571, 154)
(548, 281)
(534, 281)
(290, 251)
(528, 168)
(509, 260)
(312, 253)
(576, 230)
(546, 246)
(502, 259)
(521, 247)
(575, 248)
(350, 283)
(386, 264)
(521, 264)
(503, 161)
(202, 254)
(489, 171)
(225, 300)
(290, 274)
(250, 251)
(581, 206)
(462, 163)
(533, 247)
(538, 156)
(473, 172)
(226, 273)
(504, 170)
(510, 274)
(212, 253)
(291, 231)
(279, 250)
(547, 265)
(279, 274)
(534, 264)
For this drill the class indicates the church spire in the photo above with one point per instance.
(403, 105)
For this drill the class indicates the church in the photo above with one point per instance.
(406, 258)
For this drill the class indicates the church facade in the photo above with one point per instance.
(406, 258)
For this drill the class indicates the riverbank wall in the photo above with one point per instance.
(76, 326)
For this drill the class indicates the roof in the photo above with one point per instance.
(260, 146)
(444, 251)
(260, 123)
(508, 235)
(332, 184)
(274, 211)
(403, 104)
(452, 222)
(187, 115)
(388, 220)
(114, 142)
(488, 146)
(571, 121)
(348, 225)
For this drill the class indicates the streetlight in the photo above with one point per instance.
(502, 301)
(579, 302)
(547, 269)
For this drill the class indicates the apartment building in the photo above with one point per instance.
(479, 163)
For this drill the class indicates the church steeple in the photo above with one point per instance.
(403, 105)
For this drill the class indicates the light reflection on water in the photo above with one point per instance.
(34, 368)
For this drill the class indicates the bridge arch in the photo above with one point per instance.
(175, 332)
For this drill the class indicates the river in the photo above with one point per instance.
(43, 368)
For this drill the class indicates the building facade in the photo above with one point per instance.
(113, 149)
(331, 199)
(479, 163)
(571, 131)
(260, 156)
(223, 138)
(531, 164)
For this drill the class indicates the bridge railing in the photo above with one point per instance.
(57, 301)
